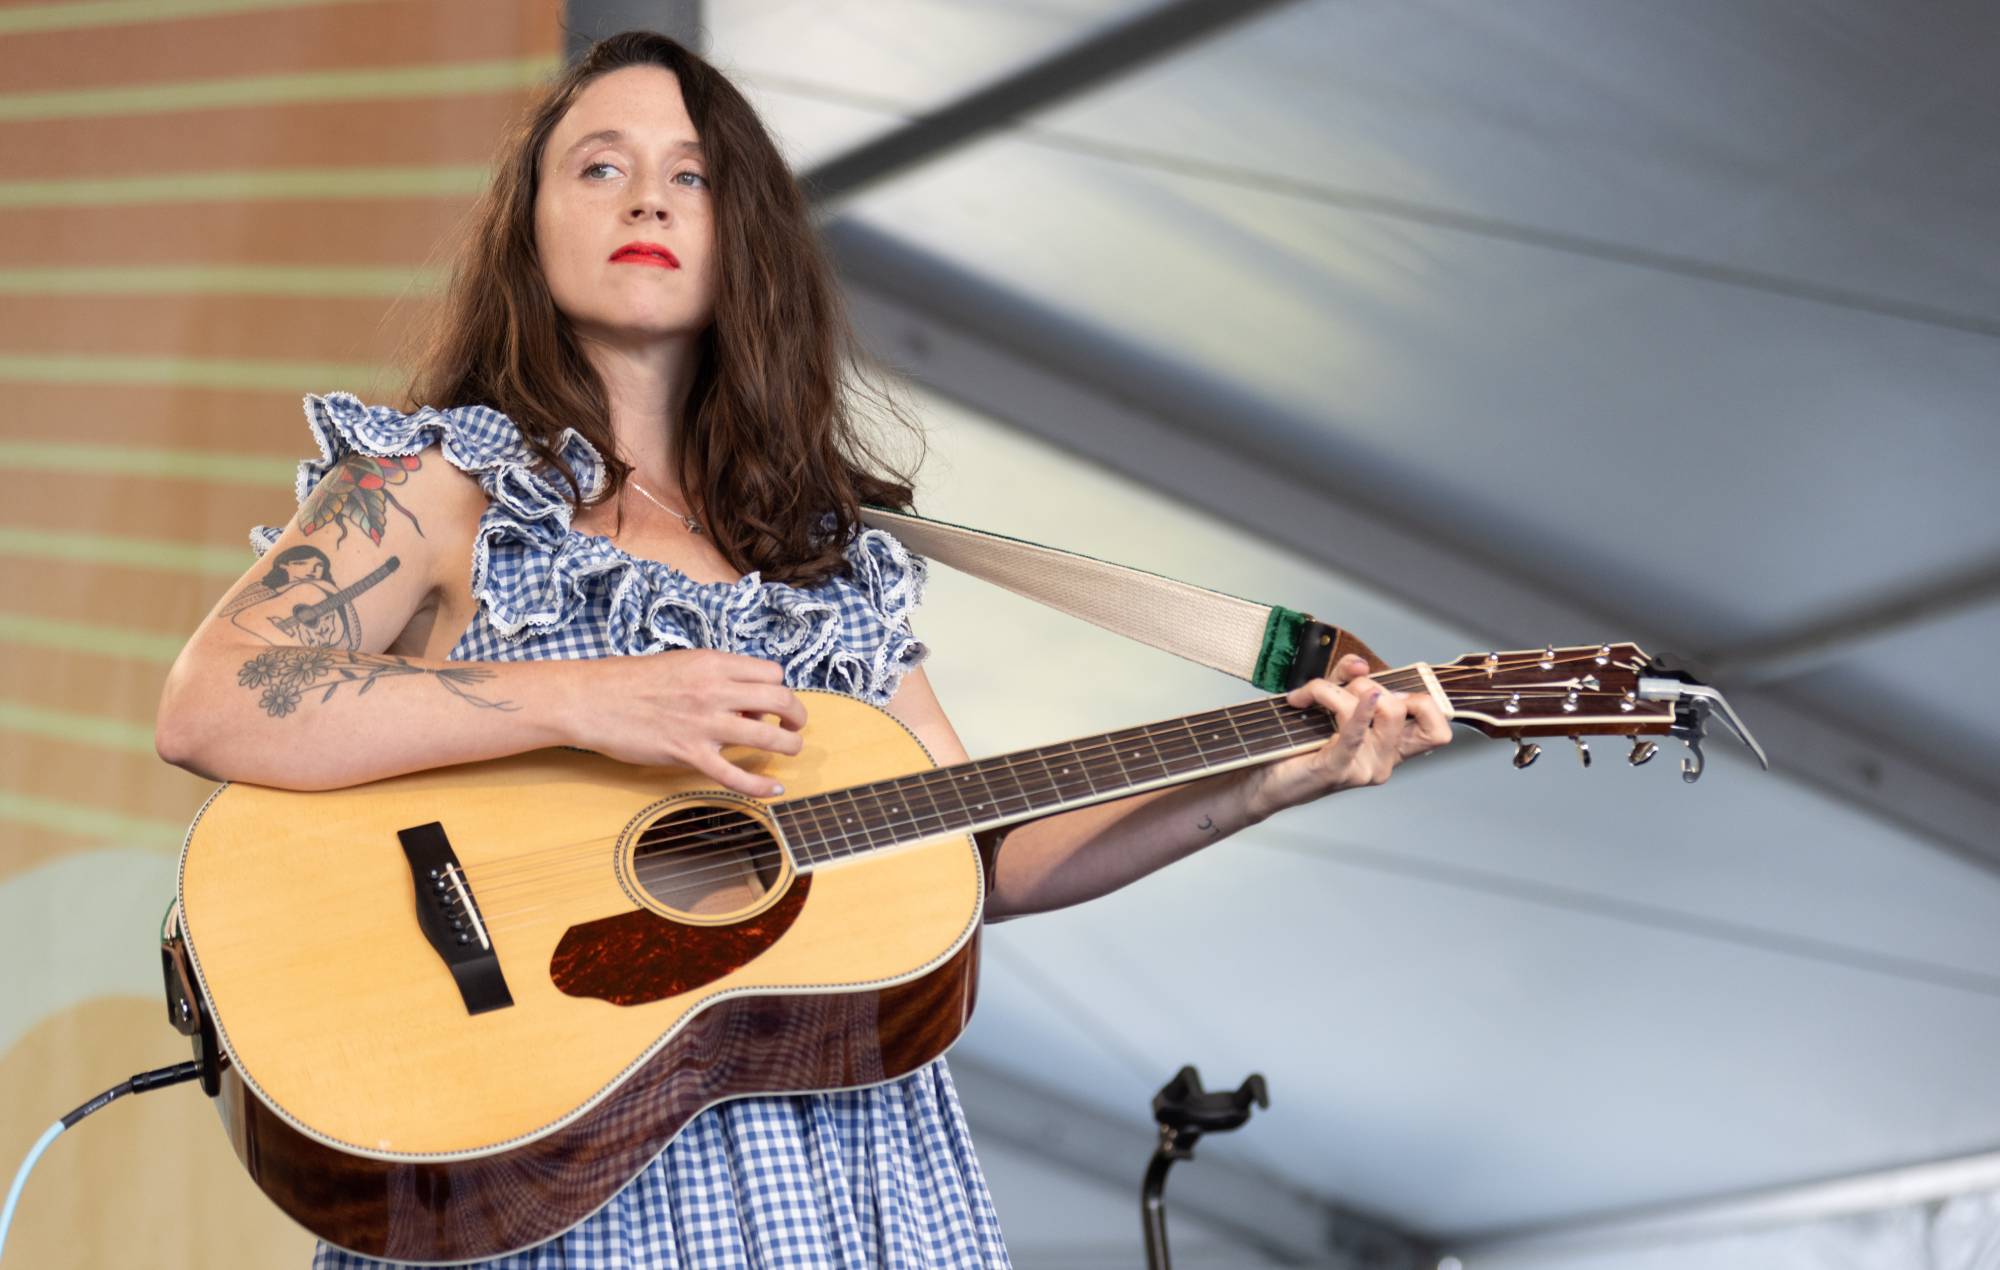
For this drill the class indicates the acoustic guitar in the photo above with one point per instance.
(448, 1015)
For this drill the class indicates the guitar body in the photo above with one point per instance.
(659, 952)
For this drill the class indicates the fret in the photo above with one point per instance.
(1285, 720)
(1315, 725)
(1179, 752)
(876, 816)
(791, 823)
(828, 838)
(1067, 772)
(1232, 739)
(1035, 765)
(930, 816)
(996, 803)
(1106, 747)
(1264, 732)
(1182, 749)
(844, 834)
(852, 821)
(1138, 754)
(1199, 755)
(1209, 740)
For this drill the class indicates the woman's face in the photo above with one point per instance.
(600, 192)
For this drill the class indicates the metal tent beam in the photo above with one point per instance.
(1759, 1210)
(1079, 388)
(1880, 617)
(1150, 36)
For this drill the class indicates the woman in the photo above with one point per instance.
(637, 444)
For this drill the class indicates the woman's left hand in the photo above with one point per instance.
(1376, 729)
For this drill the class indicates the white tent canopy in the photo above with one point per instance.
(1466, 326)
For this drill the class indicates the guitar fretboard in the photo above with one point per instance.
(1028, 783)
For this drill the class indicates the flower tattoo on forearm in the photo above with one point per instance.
(286, 675)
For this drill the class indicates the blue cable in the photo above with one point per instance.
(21, 1179)
(159, 1078)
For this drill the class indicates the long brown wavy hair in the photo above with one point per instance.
(769, 443)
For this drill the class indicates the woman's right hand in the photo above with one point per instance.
(681, 707)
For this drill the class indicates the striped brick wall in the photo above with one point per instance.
(207, 209)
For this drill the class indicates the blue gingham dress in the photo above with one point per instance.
(878, 1177)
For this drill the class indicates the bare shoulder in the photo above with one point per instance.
(917, 706)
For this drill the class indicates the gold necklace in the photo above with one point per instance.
(693, 525)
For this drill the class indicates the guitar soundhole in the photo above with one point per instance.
(707, 861)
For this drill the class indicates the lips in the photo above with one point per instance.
(646, 254)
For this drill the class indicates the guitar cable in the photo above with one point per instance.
(158, 1078)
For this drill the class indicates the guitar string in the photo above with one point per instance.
(940, 778)
(532, 865)
(766, 855)
(1268, 730)
(755, 835)
(702, 832)
(495, 873)
(500, 871)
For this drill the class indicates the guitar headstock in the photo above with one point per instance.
(1583, 690)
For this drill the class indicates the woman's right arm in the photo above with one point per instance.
(288, 681)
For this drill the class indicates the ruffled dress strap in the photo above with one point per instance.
(545, 590)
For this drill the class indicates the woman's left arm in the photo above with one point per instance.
(1079, 855)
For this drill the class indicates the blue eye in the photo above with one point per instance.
(696, 175)
(593, 167)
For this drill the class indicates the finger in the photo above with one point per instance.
(1391, 713)
(1354, 728)
(744, 667)
(1429, 718)
(762, 699)
(710, 763)
(1350, 668)
(1323, 692)
(737, 730)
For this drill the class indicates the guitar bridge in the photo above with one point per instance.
(450, 919)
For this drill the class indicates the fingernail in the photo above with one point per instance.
(776, 790)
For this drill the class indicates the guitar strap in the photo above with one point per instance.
(1270, 646)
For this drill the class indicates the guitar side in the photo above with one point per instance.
(373, 1107)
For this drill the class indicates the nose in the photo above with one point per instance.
(648, 200)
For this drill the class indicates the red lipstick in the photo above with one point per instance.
(644, 253)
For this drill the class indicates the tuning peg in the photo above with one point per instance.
(1642, 751)
(1525, 756)
(1548, 661)
(1582, 750)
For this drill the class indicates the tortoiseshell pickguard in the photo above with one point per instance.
(640, 956)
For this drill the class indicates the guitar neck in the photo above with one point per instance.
(988, 793)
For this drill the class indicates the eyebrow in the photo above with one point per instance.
(613, 134)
